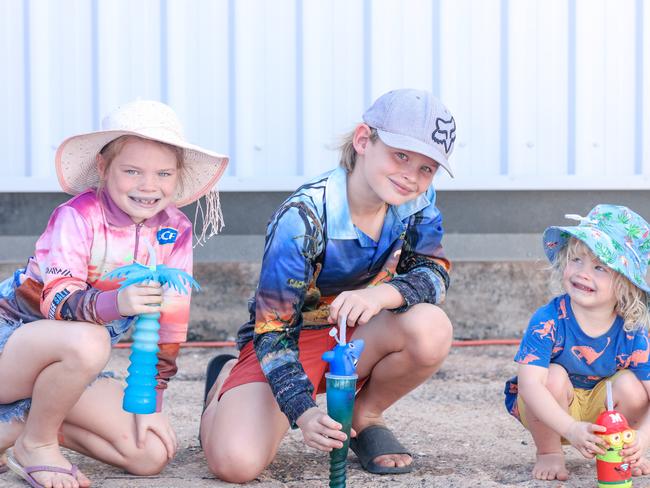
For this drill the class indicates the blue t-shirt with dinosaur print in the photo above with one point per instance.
(554, 336)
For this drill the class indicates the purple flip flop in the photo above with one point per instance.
(26, 472)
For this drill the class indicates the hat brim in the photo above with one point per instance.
(76, 164)
(556, 237)
(400, 141)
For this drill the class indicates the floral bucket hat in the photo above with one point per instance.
(616, 235)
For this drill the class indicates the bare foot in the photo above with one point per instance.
(360, 422)
(641, 468)
(47, 455)
(223, 376)
(550, 467)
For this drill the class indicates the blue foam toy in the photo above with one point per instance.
(140, 392)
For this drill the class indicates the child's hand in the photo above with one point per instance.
(140, 298)
(632, 453)
(320, 431)
(144, 423)
(358, 305)
(582, 436)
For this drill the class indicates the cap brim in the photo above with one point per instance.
(406, 143)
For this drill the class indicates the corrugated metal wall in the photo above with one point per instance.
(546, 93)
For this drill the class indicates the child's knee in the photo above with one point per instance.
(630, 392)
(429, 335)
(89, 348)
(147, 461)
(234, 463)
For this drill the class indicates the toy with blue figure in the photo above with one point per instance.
(341, 389)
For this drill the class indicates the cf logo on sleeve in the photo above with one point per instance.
(166, 235)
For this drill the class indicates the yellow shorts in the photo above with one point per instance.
(586, 405)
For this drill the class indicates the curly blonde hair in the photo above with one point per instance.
(631, 301)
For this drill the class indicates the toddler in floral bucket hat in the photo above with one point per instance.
(594, 332)
(618, 237)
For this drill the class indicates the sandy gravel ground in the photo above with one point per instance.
(455, 424)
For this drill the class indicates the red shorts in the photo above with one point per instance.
(311, 346)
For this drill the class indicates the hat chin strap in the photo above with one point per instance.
(211, 219)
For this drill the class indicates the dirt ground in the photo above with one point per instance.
(455, 424)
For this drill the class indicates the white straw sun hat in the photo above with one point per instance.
(76, 157)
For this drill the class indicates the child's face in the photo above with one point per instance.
(589, 283)
(142, 178)
(396, 175)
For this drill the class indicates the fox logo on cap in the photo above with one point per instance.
(445, 133)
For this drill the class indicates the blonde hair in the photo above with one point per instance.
(348, 152)
(113, 148)
(631, 301)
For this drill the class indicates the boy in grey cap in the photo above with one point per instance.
(361, 242)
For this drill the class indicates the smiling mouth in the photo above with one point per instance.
(147, 202)
(583, 287)
(401, 189)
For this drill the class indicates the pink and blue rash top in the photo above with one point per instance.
(87, 237)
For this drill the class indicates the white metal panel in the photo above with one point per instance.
(481, 132)
(15, 163)
(128, 52)
(590, 78)
(645, 90)
(60, 53)
(346, 95)
(619, 101)
(279, 89)
(274, 84)
(522, 83)
(552, 95)
(198, 86)
(456, 82)
(318, 60)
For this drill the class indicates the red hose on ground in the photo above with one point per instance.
(472, 343)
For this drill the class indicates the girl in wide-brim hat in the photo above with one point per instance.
(58, 317)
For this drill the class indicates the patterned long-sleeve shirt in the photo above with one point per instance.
(313, 252)
(87, 237)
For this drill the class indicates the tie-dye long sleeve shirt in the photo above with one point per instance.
(313, 252)
(87, 237)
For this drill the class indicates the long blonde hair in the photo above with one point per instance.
(348, 152)
(631, 301)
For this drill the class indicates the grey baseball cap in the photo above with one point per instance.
(414, 120)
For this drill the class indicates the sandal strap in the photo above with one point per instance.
(52, 469)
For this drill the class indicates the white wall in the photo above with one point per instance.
(547, 94)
